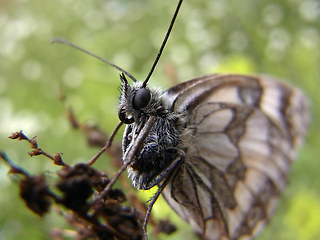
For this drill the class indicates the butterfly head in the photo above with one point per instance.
(136, 100)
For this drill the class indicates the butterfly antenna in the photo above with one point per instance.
(163, 44)
(68, 43)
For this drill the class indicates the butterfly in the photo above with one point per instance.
(218, 147)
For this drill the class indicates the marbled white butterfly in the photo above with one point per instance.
(218, 147)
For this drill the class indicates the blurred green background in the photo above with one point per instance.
(276, 37)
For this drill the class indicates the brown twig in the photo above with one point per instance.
(57, 159)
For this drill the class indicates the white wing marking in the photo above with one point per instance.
(219, 146)
(243, 197)
(255, 180)
(256, 128)
(216, 121)
(226, 95)
(271, 101)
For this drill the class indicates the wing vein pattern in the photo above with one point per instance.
(239, 141)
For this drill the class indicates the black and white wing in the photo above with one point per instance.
(240, 140)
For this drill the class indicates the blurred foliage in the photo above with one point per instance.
(275, 37)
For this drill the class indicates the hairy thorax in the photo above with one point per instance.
(158, 152)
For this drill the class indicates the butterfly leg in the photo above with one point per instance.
(166, 175)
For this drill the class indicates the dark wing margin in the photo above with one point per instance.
(240, 140)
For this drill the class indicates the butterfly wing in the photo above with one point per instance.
(240, 140)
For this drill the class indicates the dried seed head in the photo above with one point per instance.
(35, 152)
(58, 160)
(19, 135)
(33, 143)
(35, 192)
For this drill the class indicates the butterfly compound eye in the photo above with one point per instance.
(141, 99)
(123, 117)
